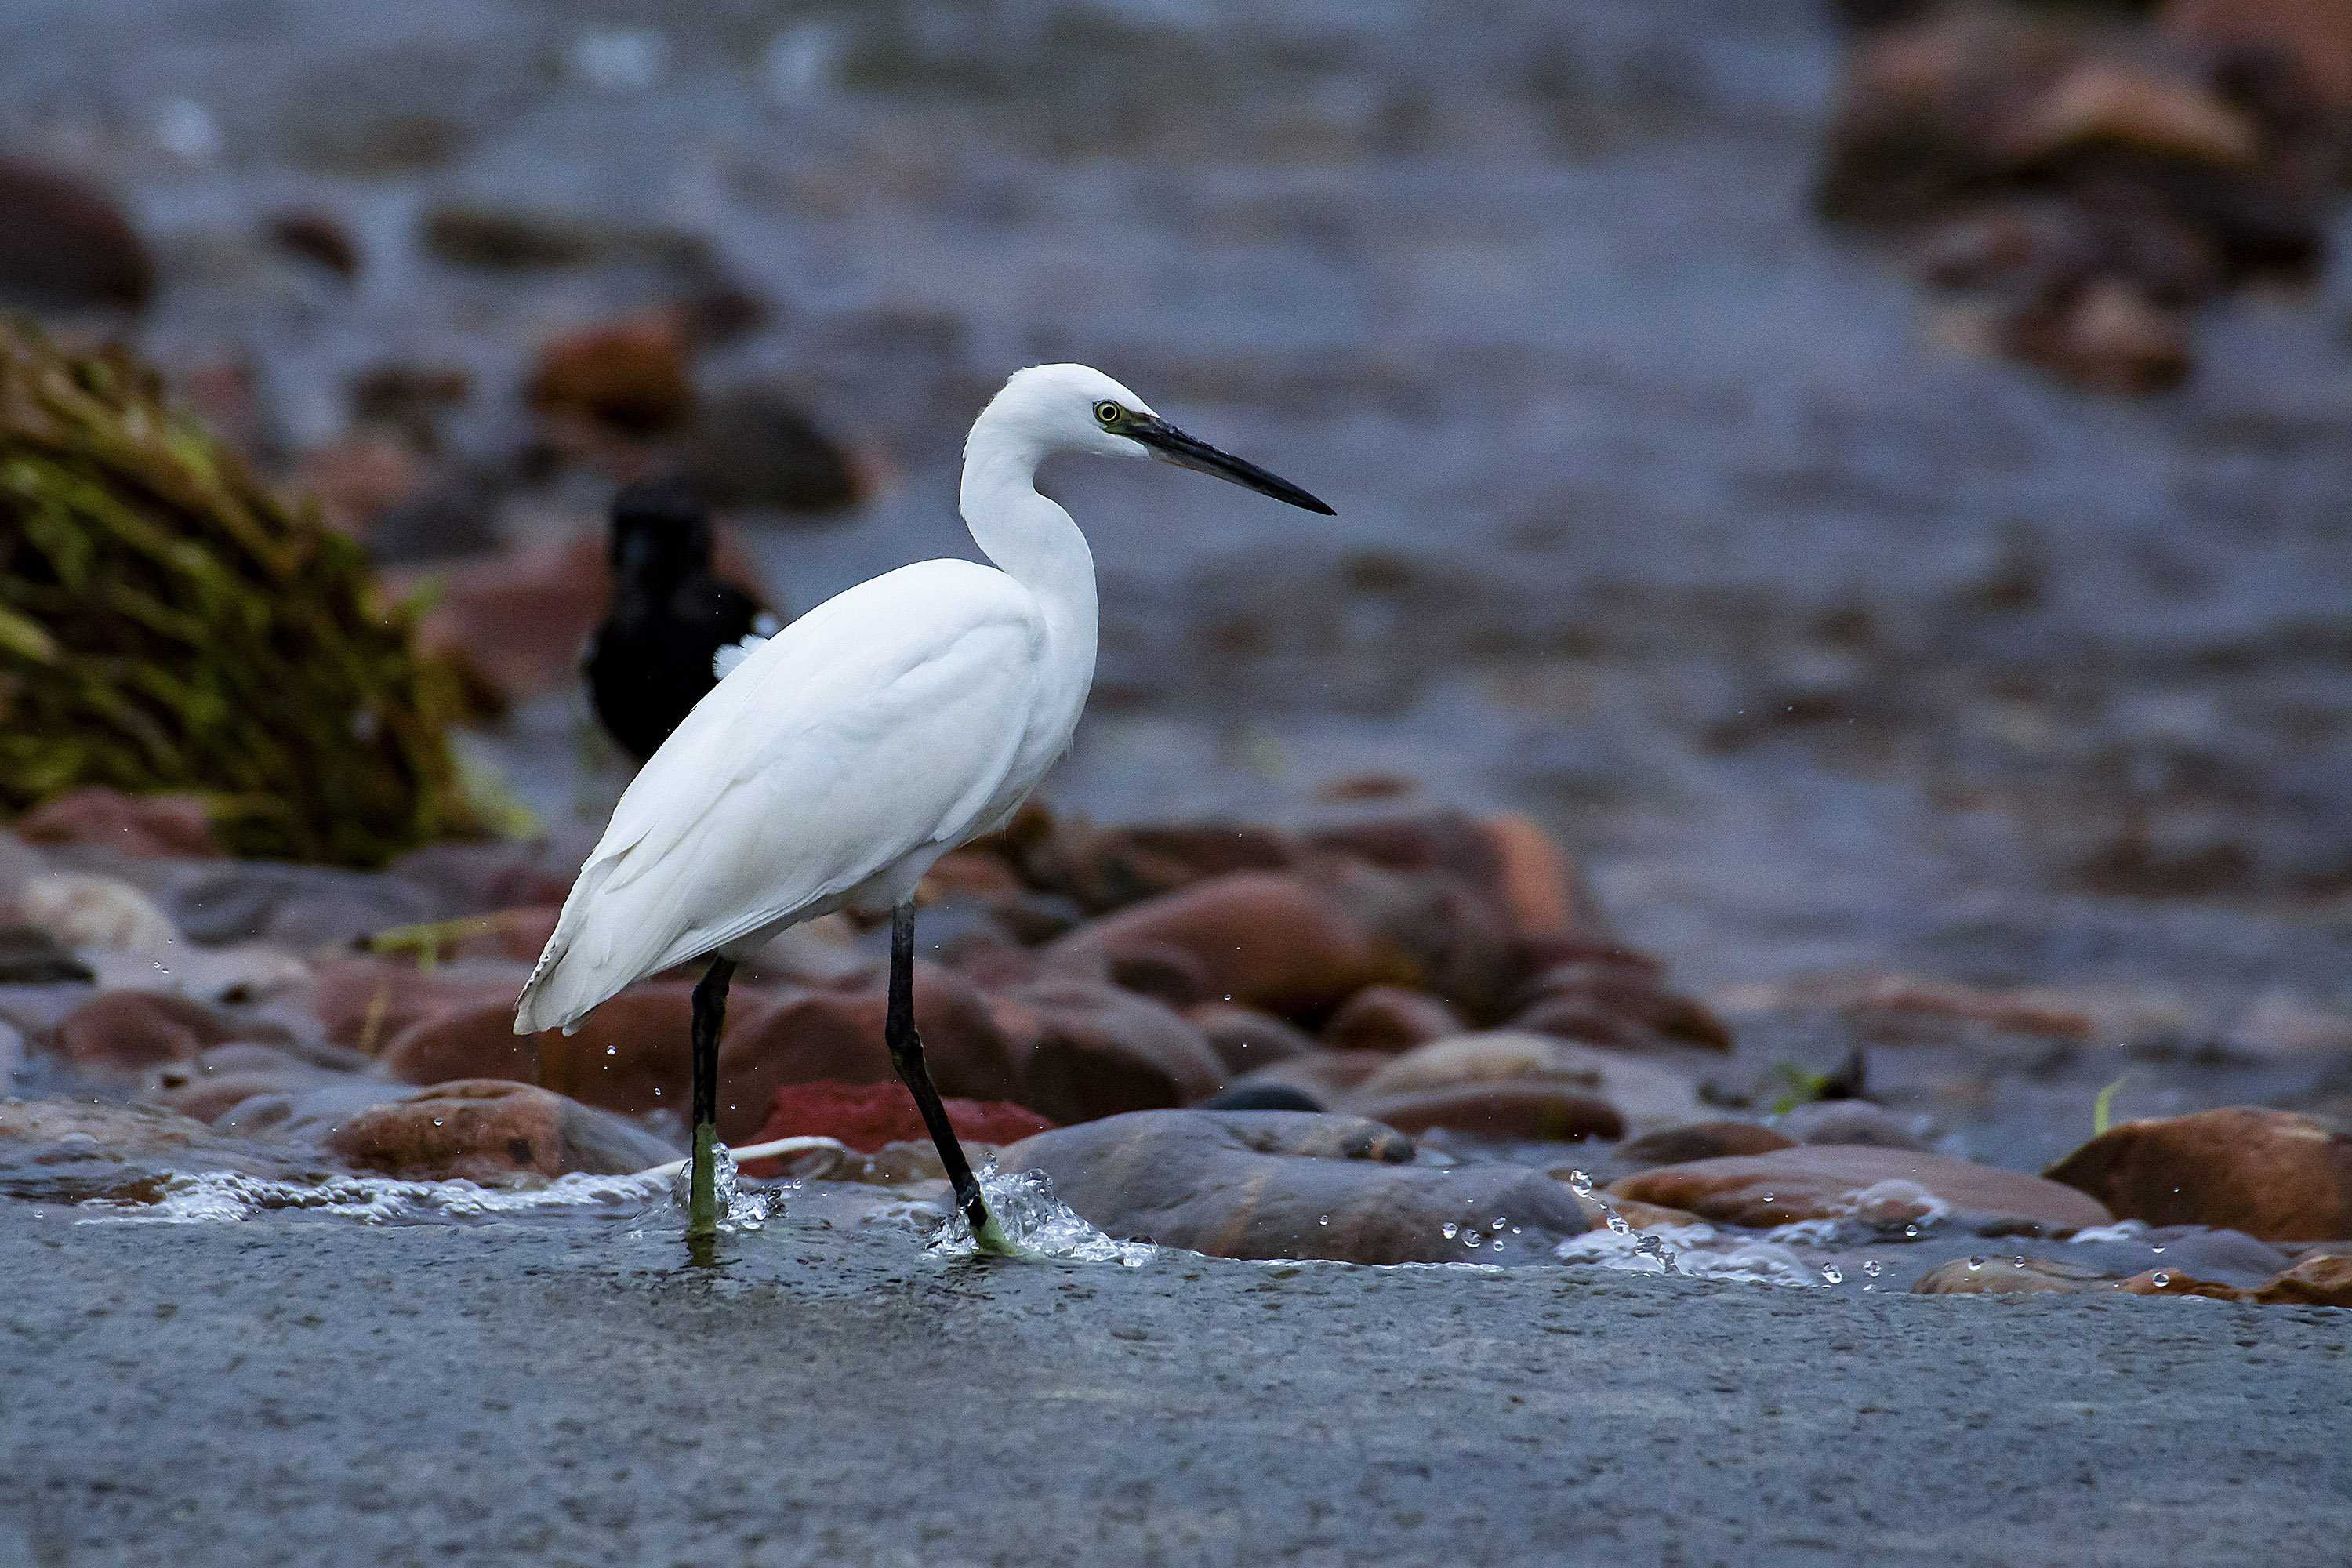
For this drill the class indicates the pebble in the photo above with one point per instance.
(2271, 1174)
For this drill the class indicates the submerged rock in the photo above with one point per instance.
(2003, 1276)
(1880, 1186)
(488, 1130)
(1391, 1019)
(1283, 1184)
(2271, 1174)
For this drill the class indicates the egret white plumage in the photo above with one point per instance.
(853, 748)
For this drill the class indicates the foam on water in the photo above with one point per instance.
(1038, 1224)
(198, 1197)
(1690, 1251)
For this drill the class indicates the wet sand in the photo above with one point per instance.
(279, 1392)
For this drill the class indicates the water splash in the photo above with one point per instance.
(740, 1207)
(199, 1197)
(1647, 1246)
(1692, 1256)
(1037, 1224)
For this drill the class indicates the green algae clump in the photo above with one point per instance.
(166, 623)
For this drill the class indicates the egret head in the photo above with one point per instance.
(1076, 408)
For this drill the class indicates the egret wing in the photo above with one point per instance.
(880, 723)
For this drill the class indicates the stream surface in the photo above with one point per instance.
(277, 1393)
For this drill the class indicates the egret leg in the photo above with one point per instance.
(906, 1058)
(709, 1012)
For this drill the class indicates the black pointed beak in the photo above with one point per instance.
(1170, 445)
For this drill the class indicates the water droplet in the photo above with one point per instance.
(612, 1050)
(1323, 1219)
(1471, 1238)
(1910, 1232)
(2155, 1249)
(2161, 1278)
(1870, 1265)
(1975, 1264)
(1832, 1274)
(1449, 1230)
(1580, 1183)
(1515, 1231)
(436, 1121)
(1500, 1221)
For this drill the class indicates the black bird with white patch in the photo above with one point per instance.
(650, 662)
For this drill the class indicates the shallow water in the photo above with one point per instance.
(1660, 515)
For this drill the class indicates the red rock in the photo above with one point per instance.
(2271, 1174)
(866, 1116)
(1098, 1051)
(316, 237)
(1263, 939)
(491, 1129)
(124, 1035)
(811, 1035)
(65, 245)
(1542, 887)
(360, 478)
(2131, 105)
(143, 826)
(1391, 1019)
(1105, 868)
(1701, 1140)
(1533, 1112)
(2172, 1282)
(2316, 35)
(630, 375)
(1610, 997)
(633, 1054)
(2109, 337)
(1840, 1180)
(2324, 1279)
(1247, 1039)
(1642, 1094)
(368, 1003)
(2010, 1276)
(516, 622)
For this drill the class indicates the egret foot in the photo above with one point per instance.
(906, 1059)
(702, 1213)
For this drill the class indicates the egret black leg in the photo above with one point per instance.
(906, 1059)
(709, 1012)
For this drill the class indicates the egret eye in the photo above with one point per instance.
(1109, 412)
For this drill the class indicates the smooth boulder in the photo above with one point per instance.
(488, 1130)
(1883, 1186)
(1644, 1095)
(2271, 1174)
(1269, 1185)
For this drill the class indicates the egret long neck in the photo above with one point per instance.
(1029, 538)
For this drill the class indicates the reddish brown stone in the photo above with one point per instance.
(1263, 939)
(2271, 1174)
(631, 375)
(1838, 1181)
(124, 1033)
(489, 1130)
(1327, 1077)
(1541, 885)
(866, 1116)
(1391, 1019)
(1543, 1112)
(1098, 1051)
(2323, 1281)
(1701, 1140)
(1247, 1039)
(367, 1003)
(65, 245)
(815, 1036)
(145, 826)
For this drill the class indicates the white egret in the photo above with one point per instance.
(846, 754)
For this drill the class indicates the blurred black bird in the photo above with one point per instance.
(650, 662)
